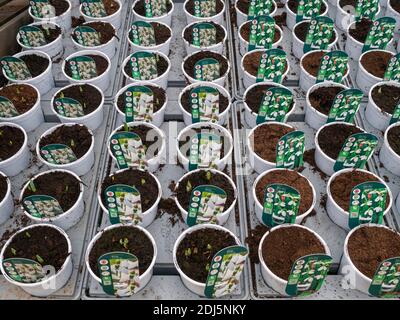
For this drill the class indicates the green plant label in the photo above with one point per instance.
(94, 8)
(32, 36)
(128, 149)
(155, 8)
(272, 66)
(124, 204)
(207, 69)
(42, 206)
(87, 36)
(7, 108)
(386, 281)
(58, 153)
(205, 8)
(204, 34)
(290, 150)
(366, 9)
(82, 68)
(262, 33)
(281, 204)
(144, 65)
(396, 115)
(206, 202)
(205, 150)
(204, 104)
(24, 270)
(380, 34)
(345, 106)
(225, 270)
(356, 151)
(15, 68)
(143, 34)
(139, 104)
(319, 34)
(274, 105)
(42, 9)
(393, 69)
(308, 8)
(119, 272)
(259, 8)
(333, 66)
(69, 107)
(367, 203)
(308, 274)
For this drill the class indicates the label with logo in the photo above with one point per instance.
(319, 34)
(386, 281)
(139, 104)
(82, 68)
(128, 149)
(207, 69)
(205, 150)
(155, 8)
(94, 8)
(143, 34)
(308, 8)
(272, 66)
(262, 33)
(32, 36)
(290, 150)
(205, 8)
(333, 66)
(204, 34)
(144, 66)
(7, 108)
(380, 34)
(42, 9)
(87, 36)
(275, 105)
(15, 68)
(24, 270)
(204, 104)
(393, 69)
(366, 9)
(42, 206)
(69, 107)
(345, 106)
(396, 115)
(57, 153)
(259, 8)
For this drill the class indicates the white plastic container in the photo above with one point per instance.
(64, 20)
(195, 286)
(223, 216)
(291, 16)
(398, 202)
(242, 18)
(52, 283)
(115, 19)
(226, 135)
(343, 19)
(218, 18)
(276, 283)
(166, 18)
(332, 9)
(387, 156)
(7, 203)
(222, 117)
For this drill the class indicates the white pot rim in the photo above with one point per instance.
(204, 18)
(389, 5)
(355, 40)
(362, 68)
(207, 48)
(330, 45)
(246, 14)
(386, 141)
(379, 84)
(99, 47)
(24, 145)
(348, 14)
(153, 18)
(102, 18)
(288, 10)
(276, 28)
(47, 18)
(46, 46)
(151, 48)
(8, 192)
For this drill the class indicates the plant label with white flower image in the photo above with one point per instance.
(333, 66)
(393, 69)
(139, 104)
(42, 206)
(69, 107)
(42, 9)
(345, 106)
(82, 67)
(380, 34)
(308, 8)
(366, 9)
(386, 281)
(7, 108)
(262, 33)
(205, 150)
(274, 105)
(204, 103)
(155, 8)
(259, 8)
(396, 115)
(272, 66)
(94, 8)
(143, 34)
(87, 36)
(15, 68)
(24, 270)
(32, 36)
(207, 69)
(205, 8)
(128, 149)
(319, 34)
(290, 150)
(58, 153)
(204, 34)
(144, 65)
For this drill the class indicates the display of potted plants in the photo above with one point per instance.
(242, 10)
(59, 13)
(345, 13)
(291, 7)
(112, 12)
(211, 10)
(6, 198)
(161, 15)
(390, 151)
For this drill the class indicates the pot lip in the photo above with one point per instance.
(86, 116)
(276, 28)
(288, 10)
(355, 40)
(99, 47)
(155, 47)
(153, 18)
(337, 173)
(330, 45)
(55, 17)
(362, 68)
(204, 18)
(188, 231)
(24, 144)
(68, 259)
(386, 141)
(258, 204)
(379, 84)
(100, 233)
(8, 192)
(261, 258)
(40, 23)
(207, 48)
(389, 5)
(102, 18)
(64, 214)
(348, 14)
(271, 14)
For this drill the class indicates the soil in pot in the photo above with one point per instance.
(3, 187)
(386, 97)
(245, 32)
(312, 62)
(188, 34)
(255, 96)
(51, 33)
(293, 5)
(191, 61)
(282, 247)
(244, 5)
(77, 21)
(60, 6)
(162, 66)
(197, 249)
(101, 65)
(143, 182)
(42, 244)
(395, 5)
(161, 33)
(376, 62)
(223, 102)
(11, 141)
(140, 10)
(158, 100)
(22, 96)
(322, 98)
(105, 29)
(393, 136)
(251, 62)
(301, 31)
(190, 7)
(331, 138)
(369, 246)
(36, 64)
(361, 29)
(138, 244)
(292, 179)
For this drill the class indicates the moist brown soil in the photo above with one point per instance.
(3, 187)
(161, 33)
(169, 207)
(282, 247)
(45, 242)
(36, 64)
(369, 246)
(77, 21)
(223, 102)
(191, 61)
(361, 30)
(292, 179)
(302, 29)
(251, 62)
(253, 241)
(344, 183)
(162, 66)
(395, 5)
(111, 6)
(332, 138)
(3, 80)
(87, 95)
(376, 62)
(312, 62)
(22, 96)
(293, 5)
(309, 157)
(11, 141)
(280, 19)
(244, 5)
(255, 96)
(77, 137)
(139, 7)
(105, 29)
(133, 177)
(60, 6)
(51, 33)
(386, 97)
(203, 245)
(245, 32)
(393, 136)
(190, 7)
(158, 100)
(101, 65)
(264, 139)
(138, 244)
(322, 98)
(188, 35)
(352, 3)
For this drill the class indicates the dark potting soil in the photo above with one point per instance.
(344, 183)
(105, 29)
(87, 95)
(292, 179)
(101, 65)
(280, 19)
(77, 21)
(62, 186)
(60, 6)
(162, 66)
(3, 80)
(22, 96)
(158, 100)
(36, 64)
(309, 157)
(293, 5)
(369, 246)
(40, 242)
(197, 249)
(361, 30)
(191, 61)
(190, 7)
(322, 98)
(111, 6)
(251, 62)
(386, 97)
(395, 5)
(245, 32)
(161, 33)
(11, 141)
(332, 138)
(351, 3)
(219, 36)
(301, 31)
(139, 7)
(77, 137)
(264, 139)
(141, 180)
(244, 5)
(312, 62)
(376, 62)
(253, 241)
(282, 247)
(51, 33)
(114, 240)
(393, 136)
(3, 187)
(223, 102)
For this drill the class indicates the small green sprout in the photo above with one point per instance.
(28, 235)
(188, 186)
(142, 181)
(209, 247)
(72, 143)
(124, 242)
(14, 252)
(188, 252)
(39, 259)
(32, 186)
(208, 175)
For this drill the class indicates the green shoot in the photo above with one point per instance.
(32, 186)
(39, 259)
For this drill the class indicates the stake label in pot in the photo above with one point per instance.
(393, 69)
(32, 36)
(319, 34)
(345, 106)
(143, 34)
(262, 33)
(124, 204)
(87, 36)
(82, 68)
(274, 105)
(204, 103)
(308, 8)
(144, 65)
(281, 204)
(272, 66)
(15, 68)
(155, 8)
(386, 281)
(69, 107)
(290, 150)
(139, 104)
(205, 8)
(333, 66)
(380, 34)
(94, 8)
(7, 108)
(396, 115)
(42, 206)
(205, 150)
(24, 270)
(308, 274)
(128, 149)
(356, 151)
(366, 9)
(58, 153)
(206, 202)
(42, 9)
(259, 8)
(204, 34)
(119, 272)
(225, 270)
(367, 203)
(207, 69)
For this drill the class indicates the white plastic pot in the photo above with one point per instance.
(226, 135)
(195, 286)
(332, 9)
(7, 203)
(242, 18)
(276, 283)
(222, 117)
(398, 202)
(387, 156)
(343, 19)
(390, 12)
(52, 283)
(115, 19)
(218, 18)
(291, 16)
(166, 18)
(64, 20)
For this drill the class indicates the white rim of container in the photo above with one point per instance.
(99, 47)
(287, 9)
(204, 19)
(331, 44)
(386, 141)
(8, 188)
(99, 19)
(150, 48)
(246, 14)
(362, 68)
(24, 145)
(209, 48)
(247, 42)
(69, 9)
(379, 84)
(46, 46)
(352, 15)
(153, 19)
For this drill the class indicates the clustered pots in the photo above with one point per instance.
(63, 17)
(139, 12)
(192, 16)
(113, 10)
(291, 7)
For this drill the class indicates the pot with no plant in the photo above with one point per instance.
(153, 11)
(346, 12)
(390, 151)
(6, 198)
(53, 11)
(294, 14)
(247, 10)
(393, 11)
(200, 11)
(103, 10)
